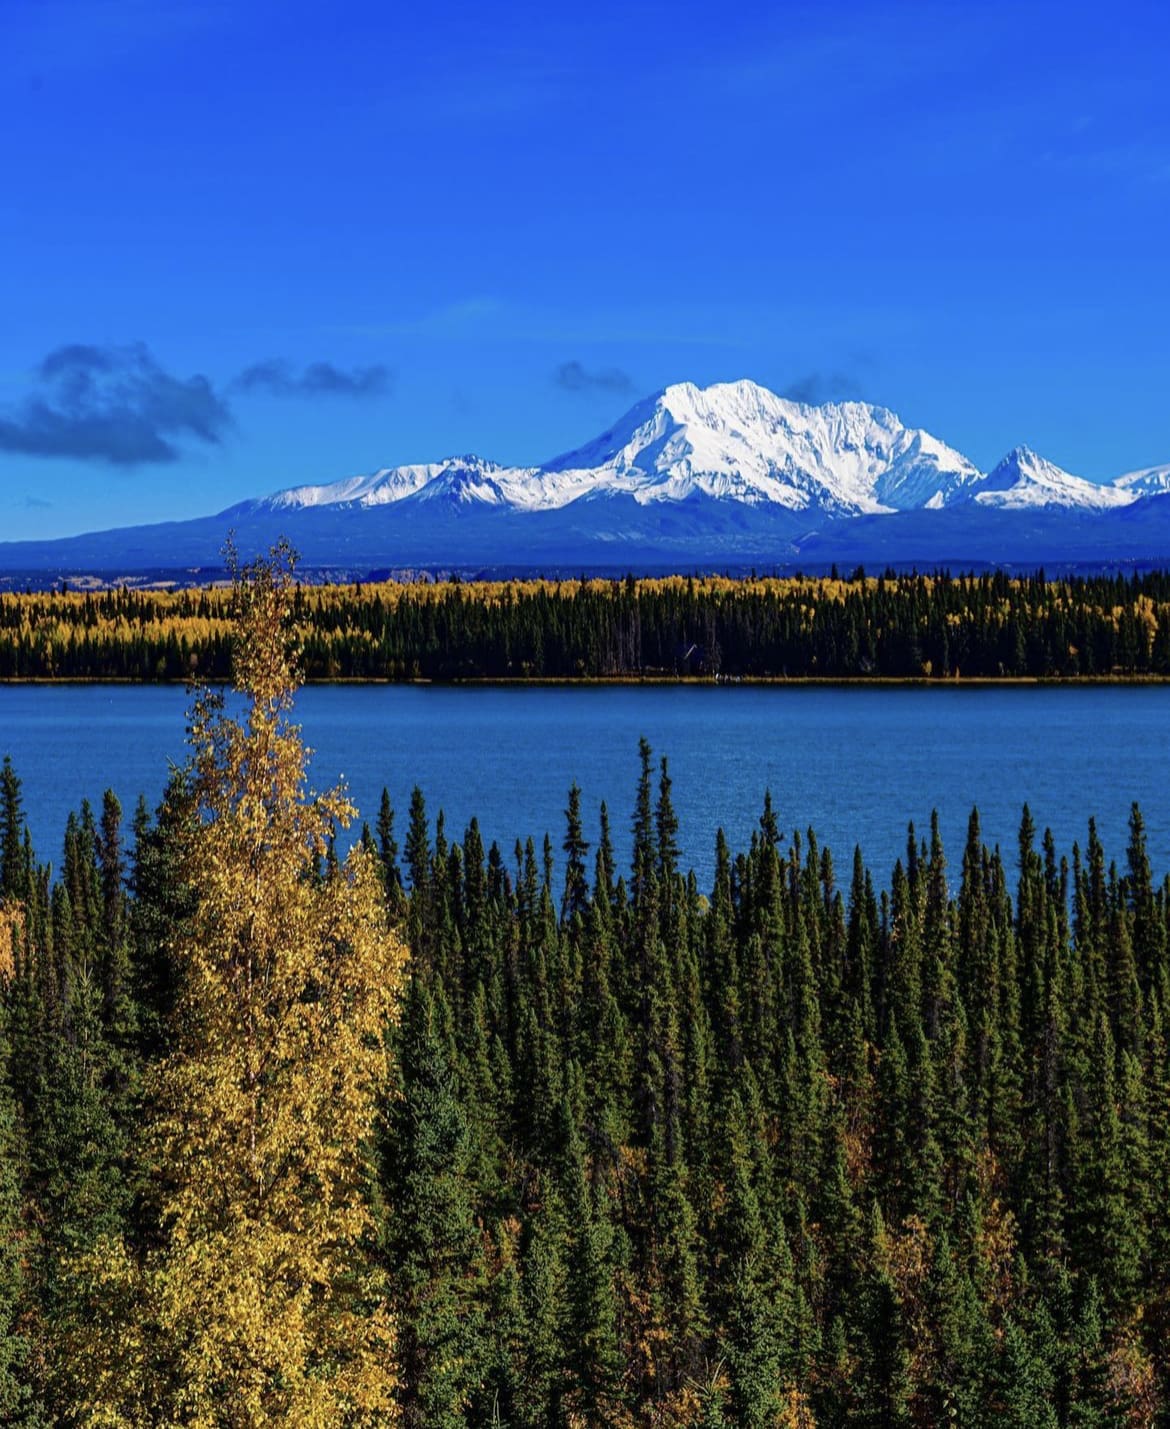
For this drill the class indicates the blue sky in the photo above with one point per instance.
(248, 245)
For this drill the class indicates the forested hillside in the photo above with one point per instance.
(807, 1147)
(893, 627)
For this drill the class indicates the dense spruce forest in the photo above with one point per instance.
(892, 627)
(804, 1148)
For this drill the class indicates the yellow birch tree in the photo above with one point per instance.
(259, 1303)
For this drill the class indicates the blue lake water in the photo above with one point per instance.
(856, 764)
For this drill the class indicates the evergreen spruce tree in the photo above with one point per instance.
(387, 848)
(16, 1398)
(433, 1246)
(418, 866)
(15, 867)
(1021, 1383)
(882, 1384)
(113, 951)
(544, 1280)
(666, 828)
(576, 896)
(754, 1289)
(163, 903)
(645, 846)
(593, 1367)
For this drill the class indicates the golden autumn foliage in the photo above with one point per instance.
(11, 925)
(757, 627)
(259, 1303)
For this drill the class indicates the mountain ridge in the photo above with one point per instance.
(734, 441)
(739, 441)
(689, 476)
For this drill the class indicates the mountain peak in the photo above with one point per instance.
(1023, 478)
(1022, 459)
(1022, 455)
(740, 441)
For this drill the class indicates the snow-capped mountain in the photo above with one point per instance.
(690, 477)
(733, 441)
(380, 488)
(1025, 481)
(738, 441)
(1149, 481)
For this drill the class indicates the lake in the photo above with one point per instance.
(854, 763)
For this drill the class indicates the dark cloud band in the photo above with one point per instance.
(814, 388)
(278, 378)
(120, 406)
(112, 404)
(573, 377)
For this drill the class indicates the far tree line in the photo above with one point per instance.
(917, 627)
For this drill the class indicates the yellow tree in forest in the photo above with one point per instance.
(259, 1302)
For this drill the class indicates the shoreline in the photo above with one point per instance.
(950, 682)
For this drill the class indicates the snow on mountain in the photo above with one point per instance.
(1025, 481)
(1150, 481)
(739, 441)
(467, 481)
(460, 477)
(733, 441)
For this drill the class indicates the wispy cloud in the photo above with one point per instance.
(574, 377)
(112, 404)
(814, 388)
(279, 378)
